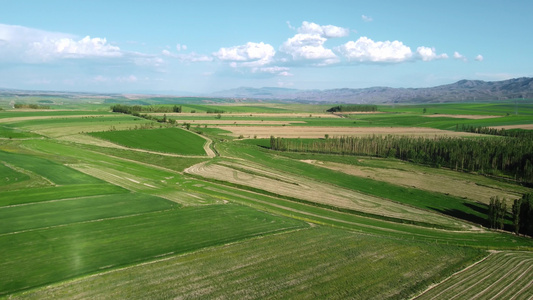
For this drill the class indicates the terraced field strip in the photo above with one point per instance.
(46, 214)
(502, 275)
(169, 140)
(35, 258)
(422, 180)
(319, 263)
(320, 132)
(314, 191)
(32, 195)
(321, 216)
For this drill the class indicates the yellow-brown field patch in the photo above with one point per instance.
(319, 132)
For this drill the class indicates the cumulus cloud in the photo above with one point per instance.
(180, 47)
(367, 50)
(307, 46)
(458, 55)
(428, 54)
(366, 18)
(33, 45)
(326, 31)
(251, 54)
(479, 57)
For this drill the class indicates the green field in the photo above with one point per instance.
(169, 140)
(105, 205)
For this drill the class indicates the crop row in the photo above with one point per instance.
(504, 275)
(313, 263)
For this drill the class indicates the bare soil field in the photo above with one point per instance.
(423, 181)
(522, 126)
(256, 115)
(319, 132)
(238, 122)
(472, 117)
(20, 119)
(313, 191)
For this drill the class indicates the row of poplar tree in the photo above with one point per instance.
(509, 156)
(521, 213)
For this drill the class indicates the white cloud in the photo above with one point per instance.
(280, 71)
(479, 57)
(251, 54)
(428, 54)
(367, 50)
(326, 31)
(180, 47)
(189, 57)
(290, 26)
(366, 18)
(458, 55)
(33, 45)
(307, 46)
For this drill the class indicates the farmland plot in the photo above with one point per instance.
(320, 263)
(313, 191)
(502, 275)
(33, 258)
(422, 180)
(171, 140)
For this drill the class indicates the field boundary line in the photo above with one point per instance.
(491, 253)
(167, 256)
(85, 222)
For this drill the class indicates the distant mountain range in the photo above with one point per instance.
(461, 91)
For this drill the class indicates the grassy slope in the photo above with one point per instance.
(38, 257)
(170, 140)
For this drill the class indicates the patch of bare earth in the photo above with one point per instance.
(422, 181)
(473, 117)
(522, 126)
(20, 119)
(320, 132)
(238, 122)
(256, 115)
(301, 188)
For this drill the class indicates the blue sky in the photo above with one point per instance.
(206, 46)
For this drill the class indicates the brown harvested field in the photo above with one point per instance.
(20, 119)
(314, 191)
(473, 117)
(238, 122)
(319, 132)
(522, 126)
(423, 181)
(256, 115)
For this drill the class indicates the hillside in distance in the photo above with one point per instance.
(461, 91)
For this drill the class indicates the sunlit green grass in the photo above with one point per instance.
(170, 140)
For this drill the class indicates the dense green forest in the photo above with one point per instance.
(508, 156)
(353, 107)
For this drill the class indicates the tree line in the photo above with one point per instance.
(503, 156)
(132, 109)
(31, 106)
(354, 107)
(521, 213)
(495, 131)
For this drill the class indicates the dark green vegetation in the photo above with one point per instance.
(510, 156)
(149, 220)
(170, 140)
(353, 107)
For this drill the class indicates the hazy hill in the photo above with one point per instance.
(464, 90)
